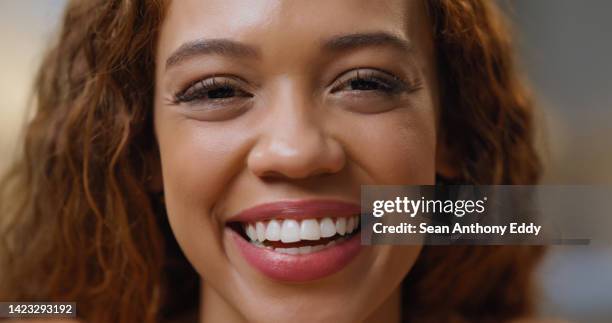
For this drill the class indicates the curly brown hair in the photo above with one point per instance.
(80, 224)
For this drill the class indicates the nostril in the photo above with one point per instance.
(273, 176)
(296, 155)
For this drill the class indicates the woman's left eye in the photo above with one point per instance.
(369, 81)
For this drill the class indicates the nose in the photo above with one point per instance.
(294, 145)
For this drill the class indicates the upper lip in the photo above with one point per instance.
(297, 209)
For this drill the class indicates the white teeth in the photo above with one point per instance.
(350, 225)
(318, 248)
(289, 251)
(290, 231)
(328, 228)
(261, 231)
(292, 251)
(309, 230)
(341, 226)
(250, 231)
(305, 249)
(273, 231)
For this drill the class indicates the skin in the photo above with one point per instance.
(298, 135)
(293, 138)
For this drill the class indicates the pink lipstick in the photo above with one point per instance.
(298, 240)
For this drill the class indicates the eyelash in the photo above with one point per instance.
(383, 82)
(200, 90)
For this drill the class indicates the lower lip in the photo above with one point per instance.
(299, 268)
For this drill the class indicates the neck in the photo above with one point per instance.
(213, 308)
(389, 310)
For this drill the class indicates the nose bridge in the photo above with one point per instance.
(292, 120)
(293, 141)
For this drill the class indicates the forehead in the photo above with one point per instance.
(284, 23)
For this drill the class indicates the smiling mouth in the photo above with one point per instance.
(297, 240)
(298, 237)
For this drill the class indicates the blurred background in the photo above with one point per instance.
(565, 49)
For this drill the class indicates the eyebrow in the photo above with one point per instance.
(224, 47)
(359, 40)
(227, 47)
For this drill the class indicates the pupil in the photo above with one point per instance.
(364, 85)
(220, 93)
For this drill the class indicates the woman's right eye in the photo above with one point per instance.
(213, 90)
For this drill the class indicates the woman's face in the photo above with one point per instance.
(269, 116)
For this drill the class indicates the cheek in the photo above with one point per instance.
(198, 162)
(396, 148)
